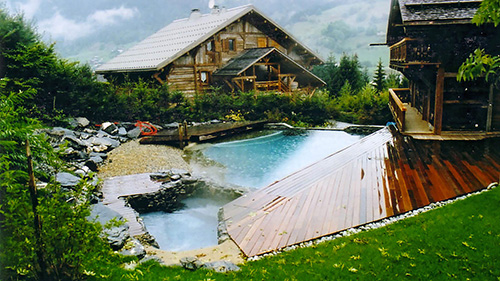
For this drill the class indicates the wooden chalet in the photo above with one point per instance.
(429, 40)
(239, 48)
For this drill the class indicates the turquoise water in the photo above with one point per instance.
(260, 161)
(254, 163)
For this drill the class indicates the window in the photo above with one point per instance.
(204, 77)
(210, 46)
(231, 44)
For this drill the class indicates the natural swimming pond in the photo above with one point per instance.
(255, 161)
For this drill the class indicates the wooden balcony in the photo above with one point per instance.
(398, 101)
(411, 52)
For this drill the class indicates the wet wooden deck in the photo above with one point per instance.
(381, 176)
(116, 187)
(203, 132)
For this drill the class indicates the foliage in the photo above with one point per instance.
(479, 63)
(488, 12)
(458, 241)
(379, 79)
(365, 107)
(335, 75)
(69, 243)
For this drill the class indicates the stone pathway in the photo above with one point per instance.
(116, 187)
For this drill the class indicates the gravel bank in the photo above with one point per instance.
(135, 158)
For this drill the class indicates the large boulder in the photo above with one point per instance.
(134, 133)
(191, 263)
(133, 248)
(82, 122)
(221, 266)
(116, 236)
(67, 179)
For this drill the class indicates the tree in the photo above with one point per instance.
(479, 62)
(379, 78)
(335, 75)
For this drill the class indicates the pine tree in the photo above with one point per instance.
(379, 78)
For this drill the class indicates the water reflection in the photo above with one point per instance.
(258, 162)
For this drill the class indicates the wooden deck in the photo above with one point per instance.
(203, 132)
(381, 176)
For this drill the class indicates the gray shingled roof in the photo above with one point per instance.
(248, 58)
(178, 38)
(413, 11)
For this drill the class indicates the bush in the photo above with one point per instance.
(66, 246)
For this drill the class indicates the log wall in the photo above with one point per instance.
(185, 73)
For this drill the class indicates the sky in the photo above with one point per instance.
(59, 27)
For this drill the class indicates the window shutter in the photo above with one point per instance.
(225, 45)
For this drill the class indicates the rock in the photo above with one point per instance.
(122, 131)
(104, 141)
(133, 248)
(109, 128)
(116, 236)
(83, 171)
(73, 141)
(102, 155)
(173, 125)
(181, 172)
(134, 133)
(82, 122)
(67, 179)
(191, 263)
(161, 176)
(147, 239)
(152, 258)
(73, 154)
(222, 234)
(94, 162)
(221, 266)
(175, 177)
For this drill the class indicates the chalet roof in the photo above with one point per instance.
(425, 11)
(248, 58)
(181, 36)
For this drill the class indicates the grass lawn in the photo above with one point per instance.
(458, 241)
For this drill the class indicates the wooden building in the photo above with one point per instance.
(239, 48)
(429, 40)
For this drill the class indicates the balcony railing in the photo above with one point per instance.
(411, 51)
(397, 103)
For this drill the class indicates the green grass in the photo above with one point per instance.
(459, 241)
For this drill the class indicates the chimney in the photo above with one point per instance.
(215, 10)
(195, 14)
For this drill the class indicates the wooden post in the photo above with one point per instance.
(438, 105)
(185, 131)
(489, 117)
(36, 219)
(181, 137)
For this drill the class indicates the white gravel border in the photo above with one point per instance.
(373, 225)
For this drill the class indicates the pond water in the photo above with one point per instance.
(253, 162)
(258, 162)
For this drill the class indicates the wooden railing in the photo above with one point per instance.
(397, 106)
(410, 50)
